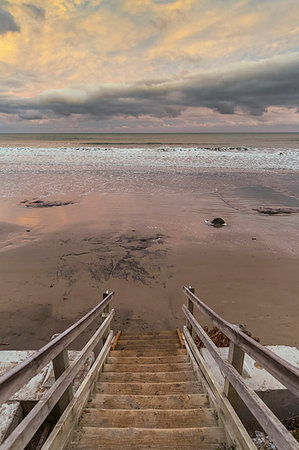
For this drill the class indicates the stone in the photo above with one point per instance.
(218, 222)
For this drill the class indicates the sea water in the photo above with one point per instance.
(51, 164)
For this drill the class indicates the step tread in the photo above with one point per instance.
(152, 341)
(189, 387)
(154, 333)
(149, 337)
(89, 438)
(172, 367)
(148, 359)
(147, 377)
(148, 418)
(146, 346)
(165, 401)
(148, 352)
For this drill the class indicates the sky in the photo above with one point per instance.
(149, 65)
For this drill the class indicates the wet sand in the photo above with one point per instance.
(55, 263)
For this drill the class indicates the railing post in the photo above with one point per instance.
(236, 359)
(60, 364)
(105, 313)
(190, 307)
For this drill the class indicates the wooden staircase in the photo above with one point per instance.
(148, 396)
(146, 390)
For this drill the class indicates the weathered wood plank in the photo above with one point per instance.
(190, 307)
(148, 418)
(20, 437)
(180, 338)
(283, 371)
(278, 433)
(207, 438)
(237, 434)
(115, 339)
(236, 359)
(61, 434)
(60, 364)
(166, 401)
(147, 377)
(184, 387)
(15, 378)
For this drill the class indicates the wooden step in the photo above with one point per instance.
(90, 438)
(148, 418)
(184, 387)
(148, 337)
(154, 334)
(175, 401)
(147, 367)
(149, 341)
(147, 359)
(147, 377)
(149, 352)
(164, 344)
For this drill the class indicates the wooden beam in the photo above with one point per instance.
(22, 434)
(105, 314)
(15, 378)
(236, 359)
(286, 373)
(180, 337)
(237, 433)
(270, 423)
(61, 434)
(60, 364)
(116, 337)
(190, 307)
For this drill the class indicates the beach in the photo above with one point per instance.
(134, 223)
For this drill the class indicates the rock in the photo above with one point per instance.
(218, 222)
(276, 211)
(44, 204)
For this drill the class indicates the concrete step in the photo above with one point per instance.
(147, 367)
(148, 359)
(90, 438)
(184, 387)
(148, 418)
(149, 352)
(174, 401)
(147, 377)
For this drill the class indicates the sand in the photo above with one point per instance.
(55, 263)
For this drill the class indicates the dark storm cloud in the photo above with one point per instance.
(7, 21)
(35, 11)
(251, 90)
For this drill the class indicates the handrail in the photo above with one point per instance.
(270, 423)
(22, 434)
(15, 378)
(282, 370)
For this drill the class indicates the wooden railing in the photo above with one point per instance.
(61, 393)
(235, 386)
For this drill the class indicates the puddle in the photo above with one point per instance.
(251, 197)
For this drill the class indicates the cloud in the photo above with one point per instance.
(35, 11)
(249, 90)
(7, 21)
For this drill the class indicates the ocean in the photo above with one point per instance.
(50, 164)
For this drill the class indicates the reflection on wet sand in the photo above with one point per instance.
(146, 247)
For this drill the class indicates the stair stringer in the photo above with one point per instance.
(61, 435)
(235, 431)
